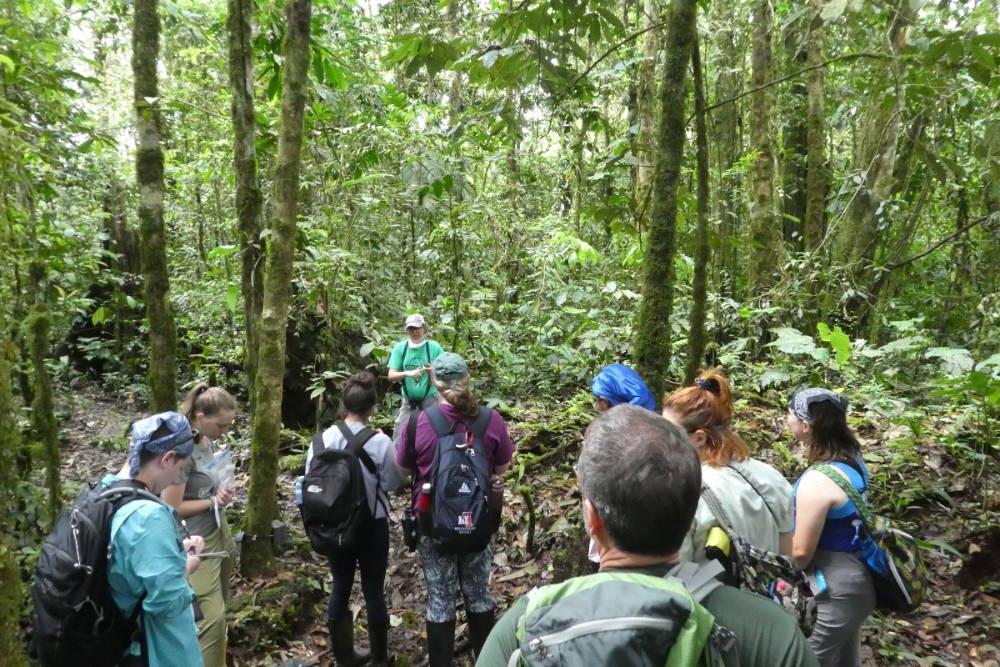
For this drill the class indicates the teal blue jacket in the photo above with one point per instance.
(147, 557)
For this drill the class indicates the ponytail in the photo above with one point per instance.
(708, 407)
(206, 400)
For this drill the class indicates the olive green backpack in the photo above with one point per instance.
(625, 619)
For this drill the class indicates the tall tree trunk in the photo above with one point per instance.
(727, 123)
(766, 245)
(646, 103)
(262, 506)
(813, 226)
(653, 335)
(249, 198)
(875, 157)
(11, 646)
(793, 159)
(44, 427)
(696, 336)
(152, 239)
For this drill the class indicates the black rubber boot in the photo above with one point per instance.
(342, 643)
(440, 643)
(480, 624)
(378, 639)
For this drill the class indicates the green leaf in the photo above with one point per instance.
(221, 251)
(833, 10)
(366, 349)
(5, 61)
(233, 298)
(793, 341)
(954, 360)
(100, 316)
(772, 378)
(838, 340)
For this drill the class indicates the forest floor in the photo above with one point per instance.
(279, 620)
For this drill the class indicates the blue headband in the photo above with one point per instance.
(803, 399)
(180, 439)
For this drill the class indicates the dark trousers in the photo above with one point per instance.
(373, 557)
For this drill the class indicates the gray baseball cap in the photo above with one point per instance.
(449, 366)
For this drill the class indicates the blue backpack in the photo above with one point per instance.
(461, 520)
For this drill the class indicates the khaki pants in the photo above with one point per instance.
(211, 584)
(404, 415)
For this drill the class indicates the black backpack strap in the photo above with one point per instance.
(482, 422)
(439, 421)
(356, 444)
(317, 444)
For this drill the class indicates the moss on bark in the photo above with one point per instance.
(699, 288)
(262, 507)
(653, 335)
(249, 199)
(11, 646)
(43, 420)
(152, 237)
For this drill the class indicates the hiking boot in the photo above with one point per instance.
(440, 643)
(378, 640)
(480, 624)
(342, 643)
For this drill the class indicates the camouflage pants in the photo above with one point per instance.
(444, 572)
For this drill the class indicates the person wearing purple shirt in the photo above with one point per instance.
(444, 572)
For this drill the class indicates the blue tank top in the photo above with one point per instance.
(842, 530)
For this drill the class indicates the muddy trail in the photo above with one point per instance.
(280, 619)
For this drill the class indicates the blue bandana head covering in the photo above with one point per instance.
(179, 439)
(618, 383)
(803, 399)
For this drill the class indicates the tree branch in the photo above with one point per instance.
(950, 237)
(846, 56)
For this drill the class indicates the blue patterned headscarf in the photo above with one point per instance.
(803, 399)
(618, 383)
(180, 438)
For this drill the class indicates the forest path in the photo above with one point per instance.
(950, 504)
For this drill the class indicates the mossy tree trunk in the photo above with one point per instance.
(653, 335)
(766, 241)
(45, 429)
(249, 199)
(152, 237)
(795, 140)
(728, 139)
(814, 224)
(875, 162)
(262, 507)
(11, 646)
(699, 289)
(646, 107)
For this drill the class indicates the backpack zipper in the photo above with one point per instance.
(541, 645)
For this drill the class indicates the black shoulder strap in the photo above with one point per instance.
(439, 421)
(317, 444)
(124, 491)
(482, 422)
(755, 490)
(356, 444)
(857, 469)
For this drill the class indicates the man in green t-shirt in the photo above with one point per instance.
(410, 363)
(640, 480)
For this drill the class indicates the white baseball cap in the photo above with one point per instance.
(414, 320)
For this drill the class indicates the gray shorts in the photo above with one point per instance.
(444, 572)
(842, 610)
(404, 414)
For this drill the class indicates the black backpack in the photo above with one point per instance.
(76, 621)
(461, 521)
(334, 508)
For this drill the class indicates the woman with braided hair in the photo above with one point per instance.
(755, 499)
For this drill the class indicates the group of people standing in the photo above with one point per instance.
(643, 496)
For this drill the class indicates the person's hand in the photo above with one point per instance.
(193, 546)
(224, 495)
(416, 373)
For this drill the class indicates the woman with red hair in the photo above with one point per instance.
(755, 499)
